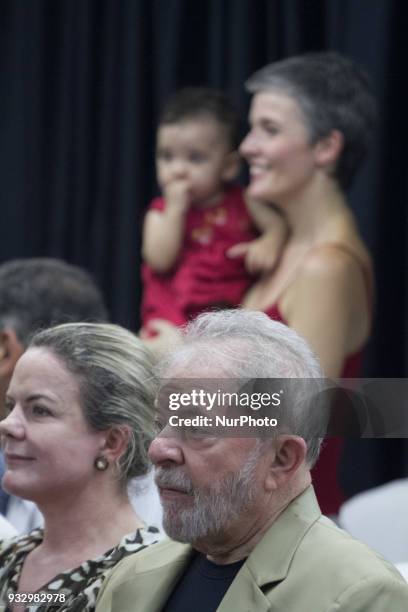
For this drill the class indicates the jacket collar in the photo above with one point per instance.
(271, 558)
(152, 581)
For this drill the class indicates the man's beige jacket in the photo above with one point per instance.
(304, 563)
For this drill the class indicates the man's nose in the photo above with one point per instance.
(166, 450)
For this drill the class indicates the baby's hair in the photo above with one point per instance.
(197, 102)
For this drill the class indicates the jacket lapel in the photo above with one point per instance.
(270, 560)
(244, 595)
(150, 585)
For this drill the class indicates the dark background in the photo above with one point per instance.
(82, 82)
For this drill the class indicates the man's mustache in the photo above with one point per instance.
(173, 478)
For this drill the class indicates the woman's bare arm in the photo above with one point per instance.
(263, 253)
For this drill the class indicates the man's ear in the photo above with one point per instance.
(289, 454)
(11, 350)
(328, 149)
(232, 166)
(115, 442)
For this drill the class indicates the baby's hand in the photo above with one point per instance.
(177, 193)
(260, 255)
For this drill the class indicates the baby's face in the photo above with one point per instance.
(195, 154)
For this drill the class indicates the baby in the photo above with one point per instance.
(200, 243)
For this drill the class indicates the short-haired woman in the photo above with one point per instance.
(311, 122)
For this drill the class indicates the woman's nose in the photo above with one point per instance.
(13, 424)
(247, 146)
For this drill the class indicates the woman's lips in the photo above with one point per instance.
(256, 170)
(12, 458)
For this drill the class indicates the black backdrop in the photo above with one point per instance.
(81, 85)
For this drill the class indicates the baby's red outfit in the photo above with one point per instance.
(203, 277)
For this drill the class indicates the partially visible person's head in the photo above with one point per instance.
(197, 139)
(252, 475)
(333, 94)
(80, 403)
(37, 293)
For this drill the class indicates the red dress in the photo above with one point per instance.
(324, 473)
(203, 277)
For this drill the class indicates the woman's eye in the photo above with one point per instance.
(9, 405)
(41, 411)
(271, 129)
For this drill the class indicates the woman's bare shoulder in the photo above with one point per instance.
(335, 258)
(336, 272)
(340, 252)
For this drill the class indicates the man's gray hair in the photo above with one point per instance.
(246, 344)
(117, 385)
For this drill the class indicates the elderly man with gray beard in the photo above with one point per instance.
(247, 532)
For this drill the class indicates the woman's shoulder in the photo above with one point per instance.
(341, 256)
(12, 553)
(338, 264)
(20, 542)
(84, 582)
(339, 243)
(335, 276)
